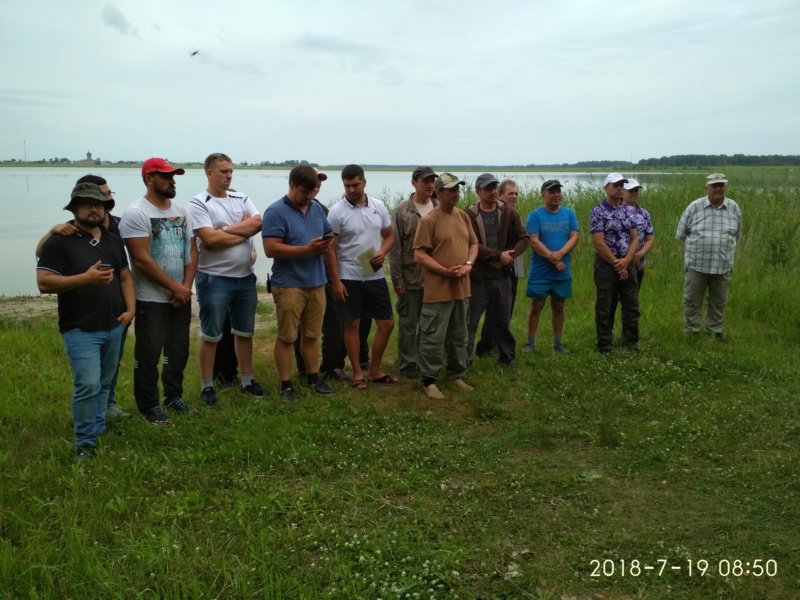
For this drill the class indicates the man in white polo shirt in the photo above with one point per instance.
(224, 223)
(364, 237)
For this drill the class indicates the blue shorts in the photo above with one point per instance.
(365, 300)
(542, 288)
(219, 296)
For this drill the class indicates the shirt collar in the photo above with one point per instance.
(724, 204)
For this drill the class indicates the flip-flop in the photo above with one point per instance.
(384, 379)
(359, 384)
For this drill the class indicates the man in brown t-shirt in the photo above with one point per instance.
(446, 247)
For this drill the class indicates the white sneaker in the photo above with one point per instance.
(432, 392)
(463, 385)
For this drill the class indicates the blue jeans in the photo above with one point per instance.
(93, 356)
(218, 296)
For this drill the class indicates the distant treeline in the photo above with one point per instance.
(685, 161)
(690, 161)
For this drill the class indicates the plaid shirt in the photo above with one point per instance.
(710, 235)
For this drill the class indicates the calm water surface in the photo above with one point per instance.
(33, 200)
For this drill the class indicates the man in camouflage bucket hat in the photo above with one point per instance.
(96, 301)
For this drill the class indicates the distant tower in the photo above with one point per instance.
(88, 156)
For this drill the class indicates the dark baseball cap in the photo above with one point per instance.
(550, 184)
(484, 180)
(422, 173)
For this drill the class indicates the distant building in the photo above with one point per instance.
(88, 160)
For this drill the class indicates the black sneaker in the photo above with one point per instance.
(253, 388)
(83, 454)
(289, 396)
(179, 406)
(208, 396)
(157, 417)
(323, 388)
(336, 375)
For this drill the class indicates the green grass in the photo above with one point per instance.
(688, 450)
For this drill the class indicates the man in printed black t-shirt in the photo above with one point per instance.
(96, 301)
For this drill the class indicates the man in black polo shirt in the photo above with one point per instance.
(96, 301)
(111, 223)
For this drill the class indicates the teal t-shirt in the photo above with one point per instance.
(553, 230)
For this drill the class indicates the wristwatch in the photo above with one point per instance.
(469, 262)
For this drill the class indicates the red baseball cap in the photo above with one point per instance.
(159, 165)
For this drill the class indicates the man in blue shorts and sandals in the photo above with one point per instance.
(296, 235)
(224, 223)
(363, 238)
(553, 231)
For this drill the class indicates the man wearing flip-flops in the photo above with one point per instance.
(363, 237)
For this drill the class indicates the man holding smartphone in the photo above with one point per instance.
(296, 236)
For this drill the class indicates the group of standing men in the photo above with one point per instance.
(449, 268)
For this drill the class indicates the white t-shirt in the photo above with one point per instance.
(208, 211)
(170, 233)
(359, 229)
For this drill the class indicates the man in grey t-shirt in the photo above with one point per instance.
(158, 235)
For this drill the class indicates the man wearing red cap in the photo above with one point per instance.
(158, 235)
(224, 223)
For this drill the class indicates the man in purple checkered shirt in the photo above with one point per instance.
(710, 227)
(613, 228)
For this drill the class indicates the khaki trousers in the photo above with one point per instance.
(694, 290)
(443, 330)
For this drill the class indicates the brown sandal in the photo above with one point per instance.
(359, 384)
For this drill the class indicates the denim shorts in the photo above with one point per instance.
(218, 296)
(542, 288)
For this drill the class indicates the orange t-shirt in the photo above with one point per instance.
(446, 238)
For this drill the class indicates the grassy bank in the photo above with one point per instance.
(685, 452)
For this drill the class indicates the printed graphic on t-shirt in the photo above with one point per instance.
(168, 245)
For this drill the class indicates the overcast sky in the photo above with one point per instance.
(404, 82)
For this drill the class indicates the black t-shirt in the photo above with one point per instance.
(92, 307)
(491, 226)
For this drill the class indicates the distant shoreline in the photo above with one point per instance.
(454, 168)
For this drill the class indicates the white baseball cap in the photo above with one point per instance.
(614, 178)
(632, 184)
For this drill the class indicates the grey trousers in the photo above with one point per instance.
(443, 330)
(409, 307)
(694, 291)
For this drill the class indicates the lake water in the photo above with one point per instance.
(32, 200)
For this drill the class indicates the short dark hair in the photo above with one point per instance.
(501, 189)
(304, 176)
(95, 179)
(211, 159)
(353, 171)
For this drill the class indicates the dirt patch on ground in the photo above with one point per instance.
(19, 308)
(27, 307)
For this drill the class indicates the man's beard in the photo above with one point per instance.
(89, 222)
